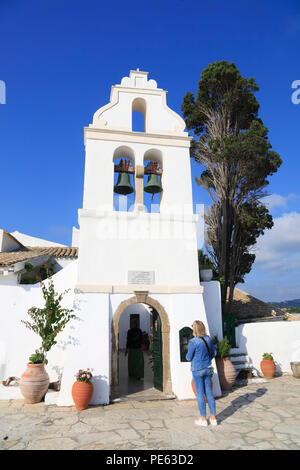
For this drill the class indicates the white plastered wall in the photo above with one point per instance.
(88, 347)
(149, 244)
(17, 342)
(281, 338)
(117, 114)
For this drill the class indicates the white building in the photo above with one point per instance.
(130, 262)
(132, 257)
(18, 251)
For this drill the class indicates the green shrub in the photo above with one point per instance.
(268, 356)
(47, 322)
(222, 347)
(38, 358)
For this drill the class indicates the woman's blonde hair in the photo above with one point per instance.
(199, 329)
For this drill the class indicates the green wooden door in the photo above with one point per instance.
(229, 329)
(157, 352)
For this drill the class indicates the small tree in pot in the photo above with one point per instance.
(47, 322)
(226, 370)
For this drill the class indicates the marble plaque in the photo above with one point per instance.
(141, 277)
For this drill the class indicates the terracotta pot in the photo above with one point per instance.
(226, 372)
(34, 383)
(268, 368)
(194, 390)
(82, 394)
(295, 366)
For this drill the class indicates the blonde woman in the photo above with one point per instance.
(200, 353)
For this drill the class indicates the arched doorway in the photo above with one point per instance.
(161, 343)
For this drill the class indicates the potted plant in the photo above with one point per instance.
(206, 267)
(82, 390)
(225, 368)
(35, 381)
(211, 384)
(47, 322)
(268, 366)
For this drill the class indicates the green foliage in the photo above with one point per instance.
(38, 273)
(28, 280)
(47, 322)
(293, 309)
(221, 84)
(29, 267)
(204, 261)
(222, 347)
(237, 159)
(45, 271)
(38, 358)
(268, 356)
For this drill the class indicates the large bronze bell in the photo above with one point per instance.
(153, 185)
(123, 185)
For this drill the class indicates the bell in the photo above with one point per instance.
(123, 185)
(153, 185)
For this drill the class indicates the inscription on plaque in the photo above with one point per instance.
(141, 277)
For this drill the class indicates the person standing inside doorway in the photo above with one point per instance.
(200, 352)
(134, 351)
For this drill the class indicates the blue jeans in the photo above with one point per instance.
(202, 384)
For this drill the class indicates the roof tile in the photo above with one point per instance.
(10, 258)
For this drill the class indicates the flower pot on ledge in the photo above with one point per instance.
(206, 275)
(295, 366)
(268, 368)
(82, 393)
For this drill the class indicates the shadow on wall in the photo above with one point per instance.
(239, 402)
(59, 372)
(101, 389)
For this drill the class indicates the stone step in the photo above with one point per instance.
(238, 354)
(238, 359)
(237, 363)
(243, 365)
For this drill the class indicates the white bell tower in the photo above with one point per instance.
(115, 245)
(135, 255)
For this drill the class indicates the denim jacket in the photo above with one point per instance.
(198, 354)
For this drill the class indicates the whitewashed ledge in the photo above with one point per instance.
(13, 392)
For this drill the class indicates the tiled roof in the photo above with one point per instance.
(246, 306)
(12, 257)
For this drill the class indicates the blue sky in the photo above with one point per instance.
(59, 59)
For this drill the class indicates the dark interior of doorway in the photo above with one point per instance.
(151, 386)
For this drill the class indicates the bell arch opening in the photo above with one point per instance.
(139, 108)
(161, 331)
(124, 189)
(153, 184)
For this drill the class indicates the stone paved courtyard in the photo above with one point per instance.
(255, 416)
